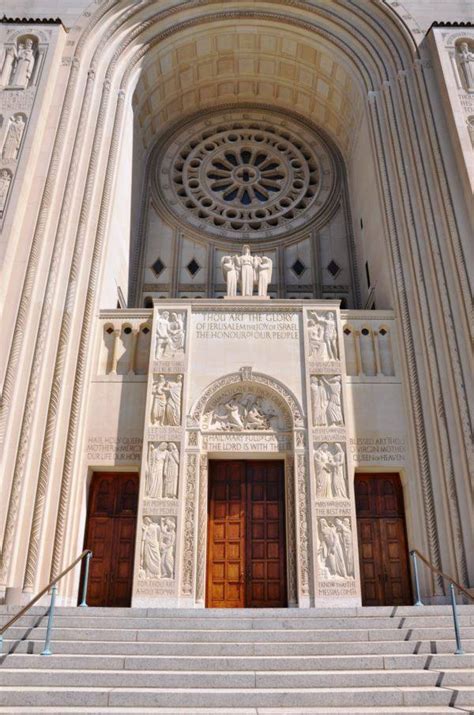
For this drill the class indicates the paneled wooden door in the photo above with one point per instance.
(383, 552)
(110, 534)
(246, 564)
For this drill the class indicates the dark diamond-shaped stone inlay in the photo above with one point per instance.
(333, 268)
(193, 266)
(158, 267)
(298, 267)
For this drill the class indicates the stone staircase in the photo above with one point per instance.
(244, 662)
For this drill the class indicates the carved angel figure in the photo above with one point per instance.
(150, 557)
(231, 274)
(171, 472)
(264, 266)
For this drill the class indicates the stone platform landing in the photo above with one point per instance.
(244, 662)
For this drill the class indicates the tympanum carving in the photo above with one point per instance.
(243, 411)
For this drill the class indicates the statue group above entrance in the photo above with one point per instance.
(248, 271)
(243, 411)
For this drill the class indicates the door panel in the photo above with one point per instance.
(226, 545)
(265, 574)
(246, 535)
(110, 534)
(383, 552)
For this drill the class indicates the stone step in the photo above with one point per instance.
(465, 696)
(244, 623)
(223, 698)
(30, 645)
(236, 663)
(400, 710)
(271, 613)
(218, 679)
(232, 636)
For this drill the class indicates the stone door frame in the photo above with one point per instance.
(291, 447)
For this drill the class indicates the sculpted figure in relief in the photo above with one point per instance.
(331, 554)
(157, 553)
(166, 401)
(344, 530)
(248, 270)
(155, 468)
(7, 66)
(330, 472)
(326, 401)
(466, 62)
(13, 138)
(169, 334)
(322, 330)
(243, 411)
(5, 181)
(24, 65)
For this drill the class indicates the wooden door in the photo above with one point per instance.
(246, 535)
(383, 552)
(110, 534)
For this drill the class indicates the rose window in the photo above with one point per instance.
(249, 177)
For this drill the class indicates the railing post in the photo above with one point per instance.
(418, 601)
(47, 642)
(459, 650)
(85, 582)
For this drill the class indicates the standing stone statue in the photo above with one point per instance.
(466, 63)
(246, 264)
(247, 270)
(264, 266)
(25, 62)
(12, 143)
(230, 271)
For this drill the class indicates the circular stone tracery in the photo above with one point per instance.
(246, 174)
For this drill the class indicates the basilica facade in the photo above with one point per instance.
(235, 239)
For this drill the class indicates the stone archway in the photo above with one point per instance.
(263, 417)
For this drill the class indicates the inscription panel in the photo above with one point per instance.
(116, 449)
(256, 325)
(378, 450)
(247, 442)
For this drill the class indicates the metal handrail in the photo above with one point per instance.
(87, 554)
(452, 583)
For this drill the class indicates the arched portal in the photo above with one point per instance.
(247, 415)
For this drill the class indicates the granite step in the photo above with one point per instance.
(222, 698)
(241, 636)
(218, 679)
(386, 647)
(236, 663)
(367, 710)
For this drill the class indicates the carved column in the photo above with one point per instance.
(133, 350)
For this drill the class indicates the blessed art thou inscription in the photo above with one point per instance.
(255, 325)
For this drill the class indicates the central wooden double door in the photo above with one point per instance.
(246, 564)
